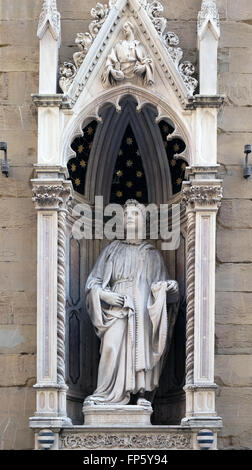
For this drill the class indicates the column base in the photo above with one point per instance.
(58, 422)
(213, 422)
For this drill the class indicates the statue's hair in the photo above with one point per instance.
(134, 202)
(130, 25)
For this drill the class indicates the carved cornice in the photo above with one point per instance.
(46, 101)
(201, 101)
(202, 195)
(51, 196)
(102, 440)
(49, 17)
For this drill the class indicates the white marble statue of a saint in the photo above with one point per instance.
(133, 307)
(128, 58)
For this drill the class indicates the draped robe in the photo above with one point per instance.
(124, 56)
(134, 337)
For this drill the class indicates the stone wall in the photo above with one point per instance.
(18, 79)
(234, 234)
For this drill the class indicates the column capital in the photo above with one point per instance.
(205, 194)
(51, 194)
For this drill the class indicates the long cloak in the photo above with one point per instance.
(135, 337)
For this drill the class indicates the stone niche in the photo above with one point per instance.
(82, 345)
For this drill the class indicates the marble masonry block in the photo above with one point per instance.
(233, 370)
(17, 339)
(231, 147)
(234, 404)
(235, 34)
(117, 415)
(233, 339)
(234, 245)
(235, 213)
(234, 308)
(19, 58)
(239, 11)
(236, 119)
(234, 277)
(18, 213)
(17, 370)
(240, 60)
(235, 186)
(14, 10)
(237, 88)
(16, 405)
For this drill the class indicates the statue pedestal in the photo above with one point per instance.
(117, 415)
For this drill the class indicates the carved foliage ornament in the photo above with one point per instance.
(170, 40)
(126, 441)
(48, 196)
(203, 195)
(208, 10)
(84, 41)
(49, 14)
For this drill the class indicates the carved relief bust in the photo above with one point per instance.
(127, 59)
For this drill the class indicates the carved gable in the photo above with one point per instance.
(127, 43)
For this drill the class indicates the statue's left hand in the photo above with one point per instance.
(172, 287)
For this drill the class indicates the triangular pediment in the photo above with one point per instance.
(96, 66)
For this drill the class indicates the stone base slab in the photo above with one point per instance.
(117, 415)
(127, 438)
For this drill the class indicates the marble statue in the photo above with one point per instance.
(133, 307)
(128, 58)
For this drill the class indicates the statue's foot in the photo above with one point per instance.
(143, 402)
(88, 402)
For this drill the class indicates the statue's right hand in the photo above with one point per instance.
(111, 298)
(118, 75)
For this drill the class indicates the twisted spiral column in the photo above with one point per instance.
(190, 281)
(61, 300)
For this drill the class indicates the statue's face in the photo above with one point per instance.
(134, 222)
(127, 30)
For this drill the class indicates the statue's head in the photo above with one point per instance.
(134, 220)
(128, 29)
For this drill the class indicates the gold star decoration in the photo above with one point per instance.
(179, 181)
(77, 182)
(176, 147)
(80, 148)
(173, 162)
(166, 129)
(129, 184)
(73, 167)
(139, 174)
(139, 194)
(119, 173)
(90, 145)
(119, 193)
(90, 130)
(129, 163)
(165, 143)
(138, 153)
(83, 163)
(120, 153)
(183, 166)
(129, 141)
